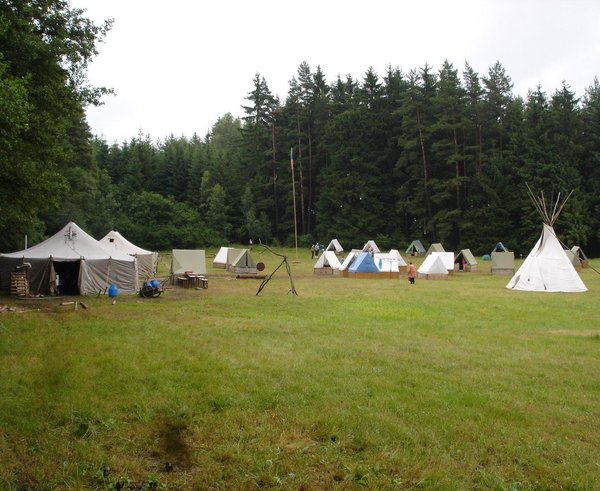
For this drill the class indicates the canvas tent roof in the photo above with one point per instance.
(446, 257)
(468, 257)
(349, 259)
(578, 251)
(335, 246)
(241, 261)
(147, 260)
(363, 264)
(547, 268)
(370, 245)
(220, 260)
(73, 254)
(415, 246)
(433, 264)
(437, 247)
(328, 259)
(188, 260)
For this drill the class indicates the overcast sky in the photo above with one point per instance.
(177, 66)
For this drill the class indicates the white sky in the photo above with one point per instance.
(177, 66)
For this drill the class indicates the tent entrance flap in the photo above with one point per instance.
(67, 276)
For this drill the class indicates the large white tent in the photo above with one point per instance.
(547, 268)
(71, 262)
(146, 260)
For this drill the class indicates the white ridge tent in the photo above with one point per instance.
(328, 263)
(72, 262)
(370, 246)
(335, 246)
(433, 268)
(390, 262)
(349, 259)
(146, 260)
(547, 268)
(220, 260)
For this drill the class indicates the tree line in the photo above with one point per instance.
(438, 155)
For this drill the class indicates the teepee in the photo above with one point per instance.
(547, 268)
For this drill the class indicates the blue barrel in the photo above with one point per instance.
(148, 284)
(113, 291)
(154, 283)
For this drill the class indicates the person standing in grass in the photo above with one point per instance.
(411, 272)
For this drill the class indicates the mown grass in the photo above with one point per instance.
(457, 384)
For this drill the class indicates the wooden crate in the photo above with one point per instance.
(19, 285)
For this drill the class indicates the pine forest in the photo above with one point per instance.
(440, 155)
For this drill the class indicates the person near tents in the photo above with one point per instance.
(411, 273)
(250, 244)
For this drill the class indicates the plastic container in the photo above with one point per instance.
(113, 291)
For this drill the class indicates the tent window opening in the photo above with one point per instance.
(68, 276)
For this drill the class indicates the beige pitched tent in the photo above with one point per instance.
(72, 262)
(503, 263)
(437, 247)
(146, 260)
(240, 261)
(191, 261)
(583, 259)
(465, 261)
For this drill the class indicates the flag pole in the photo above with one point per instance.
(294, 199)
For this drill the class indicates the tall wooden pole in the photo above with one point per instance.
(294, 199)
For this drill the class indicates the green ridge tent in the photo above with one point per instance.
(437, 247)
(415, 248)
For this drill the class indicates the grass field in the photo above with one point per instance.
(374, 384)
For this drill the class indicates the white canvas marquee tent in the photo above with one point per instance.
(547, 268)
(72, 262)
(146, 260)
